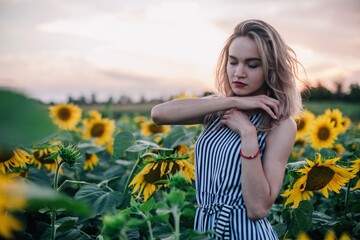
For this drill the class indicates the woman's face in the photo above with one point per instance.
(244, 68)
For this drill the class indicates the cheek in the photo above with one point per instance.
(260, 77)
(228, 70)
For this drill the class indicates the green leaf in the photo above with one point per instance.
(301, 218)
(72, 234)
(90, 148)
(292, 166)
(39, 177)
(322, 219)
(40, 197)
(148, 205)
(23, 121)
(176, 198)
(99, 200)
(327, 153)
(162, 218)
(188, 212)
(280, 229)
(162, 211)
(177, 136)
(133, 203)
(66, 224)
(122, 142)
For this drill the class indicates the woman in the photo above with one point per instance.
(241, 155)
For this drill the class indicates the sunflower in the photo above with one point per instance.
(160, 168)
(338, 148)
(323, 133)
(330, 235)
(335, 117)
(110, 146)
(149, 127)
(91, 160)
(299, 146)
(65, 116)
(319, 176)
(183, 96)
(183, 149)
(140, 119)
(345, 236)
(10, 157)
(39, 155)
(303, 236)
(303, 123)
(101, 130)
(93, 114)
(346, 123)
(355, 168)
(12, 199)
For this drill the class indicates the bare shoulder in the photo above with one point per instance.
(284, 132)
(280, 141)
(287, 125)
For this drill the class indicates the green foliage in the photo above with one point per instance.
(46, 199)
(22, 120)
(298, 219)
(97, 203)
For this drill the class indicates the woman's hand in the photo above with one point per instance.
(268, 104)
(237, 120)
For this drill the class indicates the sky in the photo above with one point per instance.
(53, 49)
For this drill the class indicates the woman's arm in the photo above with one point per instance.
(193, 110)
(262, 178)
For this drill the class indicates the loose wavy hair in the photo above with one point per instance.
(280, 66)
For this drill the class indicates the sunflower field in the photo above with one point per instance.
(66, 173)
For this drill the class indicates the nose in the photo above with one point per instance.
(240, 71)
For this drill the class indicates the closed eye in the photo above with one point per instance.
(254, 65)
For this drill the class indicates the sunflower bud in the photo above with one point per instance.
(69, 154)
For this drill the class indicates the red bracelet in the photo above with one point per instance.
(251, 156)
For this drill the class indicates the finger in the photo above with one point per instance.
(274, 108)
(273, 104)
(269, 111)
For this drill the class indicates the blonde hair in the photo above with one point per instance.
(279, 63)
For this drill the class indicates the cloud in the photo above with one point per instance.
(57, 48)
(128, 78)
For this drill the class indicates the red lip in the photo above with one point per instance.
(239, 84)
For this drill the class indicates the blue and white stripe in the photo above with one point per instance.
(221, 206)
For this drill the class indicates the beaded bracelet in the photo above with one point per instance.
(251, 156)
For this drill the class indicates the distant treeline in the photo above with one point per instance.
(317, 93)
(320, 93)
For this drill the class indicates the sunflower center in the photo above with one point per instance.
(323, 133)
(155, 128)
(97, 130)
(64, 114)
(5, 154)
(318, 177)
(300, 124)
(299, 142)
(155, 174)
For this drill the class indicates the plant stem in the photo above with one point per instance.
(72, 181)
(176, 216)
(347, 197)
(53, 212)
(148, 224)
(131, 175)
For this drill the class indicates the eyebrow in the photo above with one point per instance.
(247, 59)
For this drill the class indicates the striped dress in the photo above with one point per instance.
(221, 208)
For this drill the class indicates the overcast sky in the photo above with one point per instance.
(52, 49)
